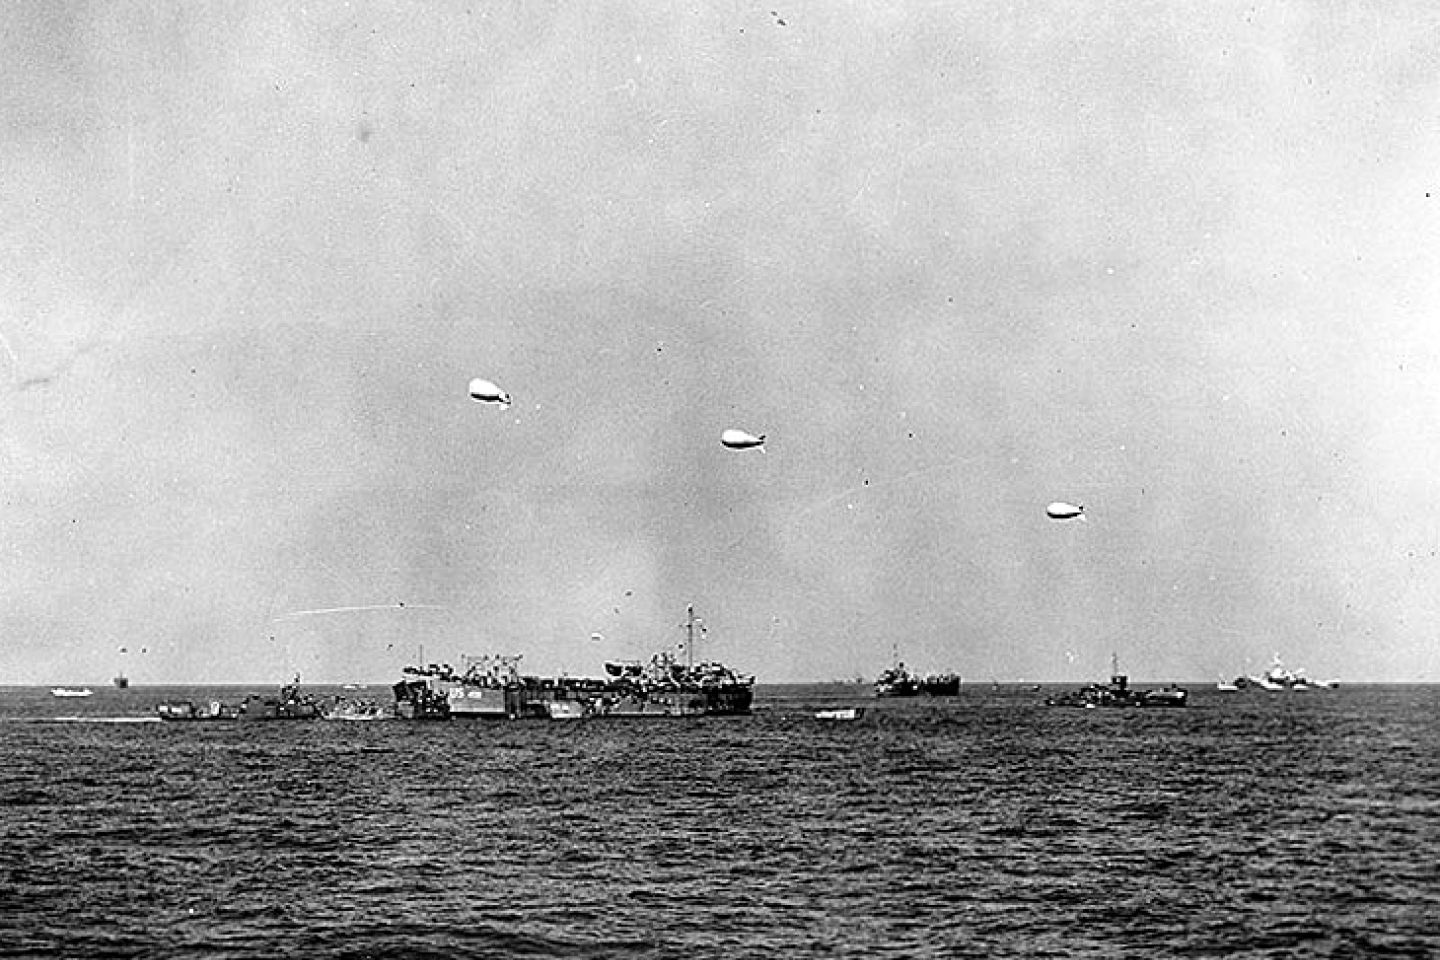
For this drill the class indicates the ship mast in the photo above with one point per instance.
(690, 635)
(690, 623)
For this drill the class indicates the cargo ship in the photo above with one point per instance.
(494, 687)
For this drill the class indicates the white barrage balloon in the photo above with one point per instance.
(740, 440)
(1064, 511)
(483, 391)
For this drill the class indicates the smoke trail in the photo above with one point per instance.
(296, 615)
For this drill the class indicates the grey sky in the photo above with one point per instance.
(1175, 262)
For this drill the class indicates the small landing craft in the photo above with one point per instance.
(191, 712)
(568, 709)
(355, 711)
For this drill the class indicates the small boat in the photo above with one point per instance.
(68, 692)
(189, 711)
(843, 713)
(1171, 696)
(566, 709)
(355, 711)
(121, 682)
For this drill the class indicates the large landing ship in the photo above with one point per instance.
(494, 687)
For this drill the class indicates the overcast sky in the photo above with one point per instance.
(1175, 262)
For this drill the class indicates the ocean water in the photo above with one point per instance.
(1248, 825)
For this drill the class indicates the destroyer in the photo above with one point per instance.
(494, 687)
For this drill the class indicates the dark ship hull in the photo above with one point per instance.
(720, 701)
(897, 688)
(941, 685)
(1117, 693)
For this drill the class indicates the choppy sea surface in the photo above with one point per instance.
(1251, 824)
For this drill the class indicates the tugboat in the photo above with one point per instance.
(1117, 693)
